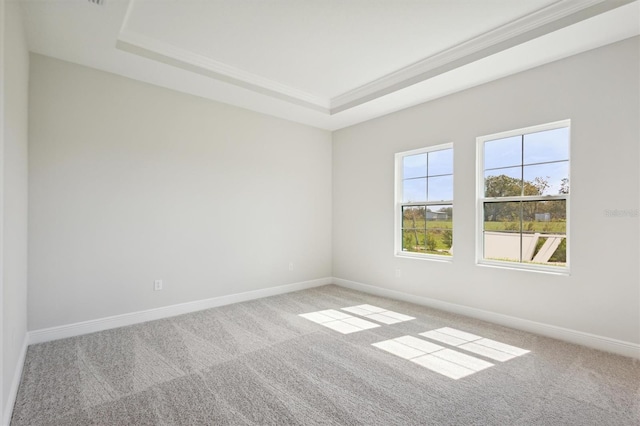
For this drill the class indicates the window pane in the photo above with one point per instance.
(440, 188)
(502, 246)
(439, 241)
(545, 224)
(503, 182)
(549, 145)
(414, 190)
(503, 152)
(440, 216)
(413, 240)
(413, 217)
(414, 166)
(502, 237)
(503, 217)
(440, 162)
(546, 217)
(547, 179)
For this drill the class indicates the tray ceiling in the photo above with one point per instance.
(326, 63)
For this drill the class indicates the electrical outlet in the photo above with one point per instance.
(291, 266)
(398, 272)
(157, 285)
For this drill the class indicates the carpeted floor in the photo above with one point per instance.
(261, 363)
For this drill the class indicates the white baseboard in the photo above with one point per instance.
(573, 336)
(15, 382)
(100, 324)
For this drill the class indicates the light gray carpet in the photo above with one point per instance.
(260, 363)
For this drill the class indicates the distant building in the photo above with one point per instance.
(543, 217)
(437, 215)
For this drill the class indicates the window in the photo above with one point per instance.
(523, 197)
(424, 202)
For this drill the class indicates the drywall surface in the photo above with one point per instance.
(14, 194)
(131, 183)
(599, 92)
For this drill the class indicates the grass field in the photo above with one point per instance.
(559, 227)
(435, 236)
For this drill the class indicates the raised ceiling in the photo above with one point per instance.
(325, 63)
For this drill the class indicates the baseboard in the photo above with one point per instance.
(573, 336)
(86, 327)
(15, 382)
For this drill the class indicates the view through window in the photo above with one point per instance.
(524, 196)
(424, 201)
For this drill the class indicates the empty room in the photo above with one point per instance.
(302, 212)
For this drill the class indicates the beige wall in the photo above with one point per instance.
(14, 196)
(130, 183)
(599, 91)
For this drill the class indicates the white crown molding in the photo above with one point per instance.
(594, 341)
(100, 324)
(531, 26)
(172, 55)
(559, 14)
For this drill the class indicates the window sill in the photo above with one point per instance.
(524, 267)
(420, 256)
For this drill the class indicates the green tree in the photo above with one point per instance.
(447, 238)
(432, 243)
(564, 186)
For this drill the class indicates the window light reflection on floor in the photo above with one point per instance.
(345, 323)
(339, 321)
(378, 314)
(476, 344)
(446, 361)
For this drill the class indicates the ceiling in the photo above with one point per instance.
(325, 63)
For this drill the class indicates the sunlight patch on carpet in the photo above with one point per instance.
(339, 321)
(446, 361)
(378, 314)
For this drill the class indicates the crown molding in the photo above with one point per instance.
(548, 19)
(151, 48)
(558, 15)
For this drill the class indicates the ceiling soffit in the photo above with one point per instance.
(546, 20)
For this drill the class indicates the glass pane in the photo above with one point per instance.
(502, 217)
(413, 240)
(440, 217)
(503, 182)
(545, 217)
(414, 190)
(549, 145)
(547, 179)
(502, 246)
(545, 232)
(439, 241)
(502, 237)
(440, 188)
(440, 162)
(414, 166)
(413, 217)
(503, 152)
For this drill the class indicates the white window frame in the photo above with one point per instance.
(398, 196)
(480, 141)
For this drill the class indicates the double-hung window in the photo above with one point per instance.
(424, 202)
(523, 198)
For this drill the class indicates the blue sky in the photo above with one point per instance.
(428, 177)
(549, 146)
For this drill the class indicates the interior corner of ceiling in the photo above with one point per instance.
(125, 20)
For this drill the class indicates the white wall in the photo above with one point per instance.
(599, 91)
(14, 199)
(130, 183)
